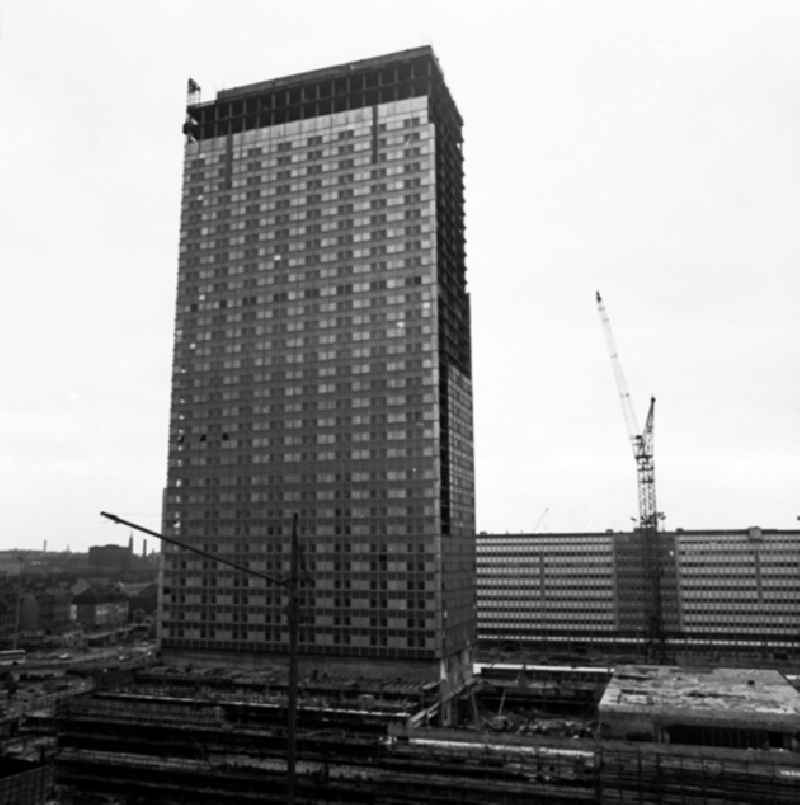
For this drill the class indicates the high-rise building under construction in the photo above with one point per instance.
(322, 367)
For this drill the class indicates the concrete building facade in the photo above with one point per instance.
(322, 367)
(723, 585)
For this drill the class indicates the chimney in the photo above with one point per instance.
(130, 543)
(144, 548)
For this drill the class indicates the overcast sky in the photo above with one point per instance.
(648, 150)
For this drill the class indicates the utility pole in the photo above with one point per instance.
(291, 583)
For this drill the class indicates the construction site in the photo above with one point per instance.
(518, 734)
(281, 730)
(128, 727)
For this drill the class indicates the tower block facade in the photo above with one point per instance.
(322, 365)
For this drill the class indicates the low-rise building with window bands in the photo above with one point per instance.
(737, 586)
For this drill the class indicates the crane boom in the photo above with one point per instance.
(631, 423)
(641, 441)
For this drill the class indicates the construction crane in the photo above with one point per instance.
(641, 441)
(642, 445)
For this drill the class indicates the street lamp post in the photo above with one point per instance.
(291, 583)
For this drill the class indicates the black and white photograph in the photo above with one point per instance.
(401, 402)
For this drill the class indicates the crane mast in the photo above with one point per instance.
(642, 447)
(646, 474)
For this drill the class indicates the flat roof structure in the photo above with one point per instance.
(329, 90)
(718, 706)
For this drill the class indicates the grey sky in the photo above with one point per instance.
(649, 150)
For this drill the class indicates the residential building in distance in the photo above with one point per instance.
(724, 587)
(111, 558)
(45, 607)
(101, 607)
(322, 367)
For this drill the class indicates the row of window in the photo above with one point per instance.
(364, 454)
(285, 331)
(261, 317)
(259, 275)
(313, 220)
(293, 423)
(407, 375)
(406, 129)
(253, 174)
(399, 326)
(549, 547)
(272, 494)
(501, 587)
(330, 369)
(372, 196)
(326, 404)
(392, 282)
(390, 514)
(337, 234)
(361, 575)
(200, 437)
(203, 166)
(396, 282)
(243, 207)
(306, 348)
(297, 371)
(574, 613)
(356, 606)
(376, 478)
(218, 639)
(364, 528)
(400, 549)
(394, 131)
(324, 614)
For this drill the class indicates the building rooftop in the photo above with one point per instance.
(352, 85)
(327, 73)
(695, 695)
(754, 532)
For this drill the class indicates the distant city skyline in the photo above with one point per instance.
(647, 152)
